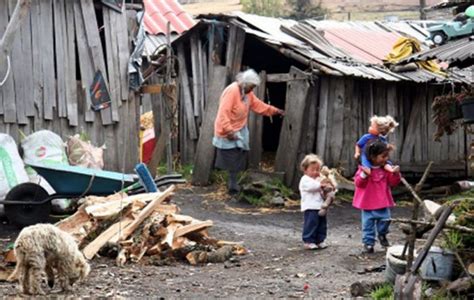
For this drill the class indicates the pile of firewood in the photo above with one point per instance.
(131, 227)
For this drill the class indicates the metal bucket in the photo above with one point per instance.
(438, 264)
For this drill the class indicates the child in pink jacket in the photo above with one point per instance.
(373, 195)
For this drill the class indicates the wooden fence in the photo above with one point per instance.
(55, 56)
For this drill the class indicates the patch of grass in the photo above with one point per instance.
(254, 200)
(384, 291)
(185, 170)
(219, 177)
(452, 241)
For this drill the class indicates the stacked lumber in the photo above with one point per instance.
(131, 227)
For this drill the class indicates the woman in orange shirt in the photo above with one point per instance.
(231, 134)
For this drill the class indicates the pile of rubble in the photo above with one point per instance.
(131, 227)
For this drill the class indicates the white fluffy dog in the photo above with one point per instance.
(43, 249)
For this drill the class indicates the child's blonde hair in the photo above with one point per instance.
(310, 159)
(384, 123)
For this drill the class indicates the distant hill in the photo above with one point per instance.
(371, 5)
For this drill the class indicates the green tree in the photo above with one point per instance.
(305, 9)
(268, 8)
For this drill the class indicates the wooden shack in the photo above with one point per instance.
(55, 56)
(328, 102)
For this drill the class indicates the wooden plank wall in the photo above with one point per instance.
(197, 56)
(43, 91)
(345, 108)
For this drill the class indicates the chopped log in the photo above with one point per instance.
(180, 219)
(78, 225)
(192, 227)
(5, 273)
(182, 242)
(433, 209)
(110, 208)
(108, 235)
(146, 212)
(460, 285)
(171, 228)
(166, 209)
(471, 269)
(202, 257)
(362, 288)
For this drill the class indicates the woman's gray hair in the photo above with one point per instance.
(248, 76)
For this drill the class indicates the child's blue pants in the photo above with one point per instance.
(314, 227)
(372, 220)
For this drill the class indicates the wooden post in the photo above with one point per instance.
(204, 157)
(296, 94)
(256, 127)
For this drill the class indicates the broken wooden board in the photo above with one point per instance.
(146, 212)
(204, 157)
(113, 231)
(78, 225)
(192, 227)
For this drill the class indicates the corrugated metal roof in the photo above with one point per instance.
(364, 45)
(159, 12)
(153, 42)
(456, 53)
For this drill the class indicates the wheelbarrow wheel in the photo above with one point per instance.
(27, 214)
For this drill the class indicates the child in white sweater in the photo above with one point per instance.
(311, 189)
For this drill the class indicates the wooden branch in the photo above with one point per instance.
(454, 227)
(21, 10)
(146, 212)
(419, 185)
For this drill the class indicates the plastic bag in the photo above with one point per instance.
(12, 169)
(44, 147)
(84, 154)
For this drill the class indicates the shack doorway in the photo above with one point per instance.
(267, 60)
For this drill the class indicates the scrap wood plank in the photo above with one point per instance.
(146, 212)
(296, 95)
(188, 105)
(123, 52)
(37, 72)
(71, 82)
(110, 208)
(204, 157)
(192, 227)
(27, 80)
(108, 235)
(75, 222)
(410, 136)
(171, 229)
(111, 48)
(85, 62)
(322, 117)
(47, 59)
(393, 111)
(94, 45)
(337, 121)
(196, 73)
(62, 62)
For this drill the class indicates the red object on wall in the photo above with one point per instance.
(148, 145)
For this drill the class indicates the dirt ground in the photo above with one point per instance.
(276, 265)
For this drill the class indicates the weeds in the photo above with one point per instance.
(384, 291)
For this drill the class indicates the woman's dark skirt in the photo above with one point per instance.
(232, 160)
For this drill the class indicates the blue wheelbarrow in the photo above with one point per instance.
(29, 203)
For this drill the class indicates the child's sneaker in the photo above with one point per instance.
(383, 241)
(310, 246)
(368, 248)
(321, 245)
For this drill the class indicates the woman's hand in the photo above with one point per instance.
(231, 136)
(280, 112)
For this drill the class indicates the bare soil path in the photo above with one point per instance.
(276, 266)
